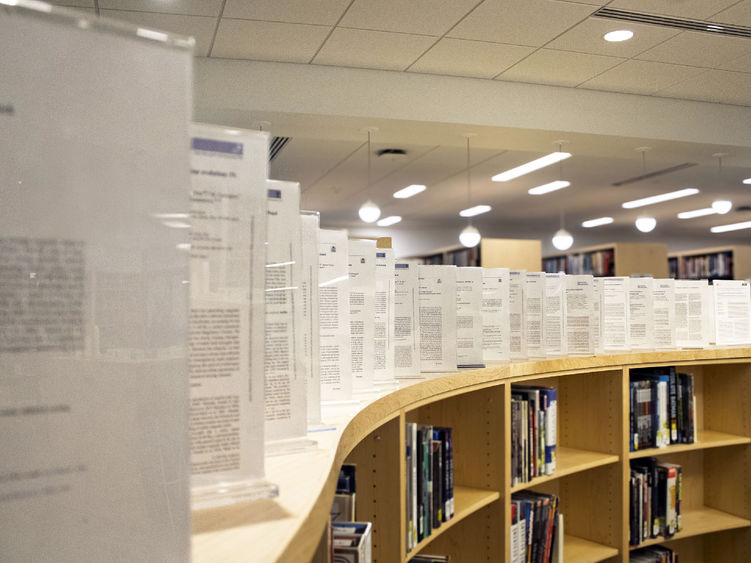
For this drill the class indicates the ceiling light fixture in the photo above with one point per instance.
(618, 35)
(369, 211)
(732, 227)
(409, 191)
(470, 236)
(597, 222)
(660, 198)
(696, 213)
(722, 206)
(476, 210)
(549, 187)
(542, 162)
(645, 223)
(388, 221)
(747, 181)
(562, 239)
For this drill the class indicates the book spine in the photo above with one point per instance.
(551, 421)
(673, 406)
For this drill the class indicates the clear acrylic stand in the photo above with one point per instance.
(236, 492)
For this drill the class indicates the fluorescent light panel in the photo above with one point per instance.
(619, 35)
(597, 222)
(660, 198)
(550, 187)
(388, 221)
(546, 160)
(732, 227)
(696, 213)
(409, 191)
(476, 210)
(747, 181)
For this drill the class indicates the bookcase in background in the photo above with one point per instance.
(515, 254)
(718, 263)
(613, 259)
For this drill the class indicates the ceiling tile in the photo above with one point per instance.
(429, 17)
(185, 7)
(698, 49)
(73, 3)
(268, 41)
(202, 28)
(520, 22)
(691, 9)
(479, 59)
(587, 38)
(372, 49)
(641, 77)
(561, 68)
(714, 86)
(321, 12)
(741, 64)
(739, 14)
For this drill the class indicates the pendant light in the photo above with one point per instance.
(369, 211)
(470, 236)
(721, 206)
(562, 239)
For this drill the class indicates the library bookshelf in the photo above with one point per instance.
(731, 262)
(612, 259)
(516, 254)
(591, 478)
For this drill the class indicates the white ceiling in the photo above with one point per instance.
(550, 42)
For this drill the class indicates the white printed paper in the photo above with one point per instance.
(309, 291)
(640, 321)
(94, 227)
(534, 297)
(732, 312)
(614, 312)
(406, 320)
(495, 315)
(437, 298)
(663, 316)
(517, 320)
(596, 315)
(383, 366)
(228, 179)
(362, 290)
(286, 397)
(578, 313)
(554, 342)
(690, 314)
(333, 315)
(469, 317)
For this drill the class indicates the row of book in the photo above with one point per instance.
(710, 266)
(662, 408)
(536, 536)
(533, 432)
(656, 491)
(430, 480)
(597, 263)
(653, 554)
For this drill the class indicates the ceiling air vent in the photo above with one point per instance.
(276, 146)
(648, 175)
(676, 23)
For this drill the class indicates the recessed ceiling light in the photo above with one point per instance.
(747, 181)
(732, 227)
(542, 162)
(597, 222)
(388, 221)
(618, 35)
(551, 187)
(409, 191)
(476, 210)
(696, 213)
(659, 198)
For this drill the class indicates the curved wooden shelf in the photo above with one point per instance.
(705, 439)
(288, 528)
(468, 501)
(579, 550)
(569, 460)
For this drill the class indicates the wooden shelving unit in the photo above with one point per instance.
(731, 262)
(613, 259)
(516, 254)
(591, 479)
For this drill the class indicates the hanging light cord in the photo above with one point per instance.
(368, 164)
(469, 181)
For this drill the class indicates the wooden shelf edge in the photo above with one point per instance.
(705, 440)
(698, 522)
(579, 550)
(468, 501)
(597, 460)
